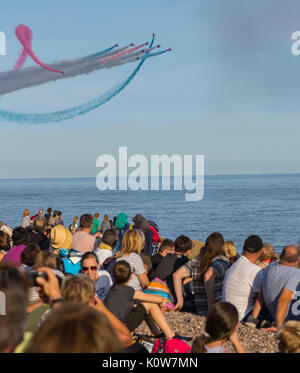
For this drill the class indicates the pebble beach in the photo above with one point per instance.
(191, 325)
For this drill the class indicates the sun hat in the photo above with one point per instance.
(60, 237)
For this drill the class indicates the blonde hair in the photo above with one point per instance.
(75, 328)
(131, 243)
(229, 248)
(45, 259)
(75, 219)
(26, 212)
(289, 337)
(267, 253)
(78, 288)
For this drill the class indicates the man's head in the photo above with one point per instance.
(86, 222)
(40, 213)
(29, 254)
(253, 247)
(110, 238)
(96, 215)
(90, 265)
(166, 247)
(183, 245)
(290, 256)
(122, 272)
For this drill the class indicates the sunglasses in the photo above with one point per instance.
(92, 268)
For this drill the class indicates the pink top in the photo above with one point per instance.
(13, 256)
(83, 242)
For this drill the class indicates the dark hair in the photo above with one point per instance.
(29, 254)
(86, 221)
(183, 244)
(58, 213)
(288, 257)
(19, 236)
(49, 210)
(221, 322)
(110, 237)
(87, 255)
(167, 243)
(4, 241)
(213, 247)
(234, 258)
(121, 272)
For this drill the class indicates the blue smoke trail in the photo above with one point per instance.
(75, 111)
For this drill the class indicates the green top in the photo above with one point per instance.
(96, 226)
(35, 317)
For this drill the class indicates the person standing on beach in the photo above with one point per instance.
(105, 224)
(243, 279)
(48, 214)
(96, 224)
(26, 219)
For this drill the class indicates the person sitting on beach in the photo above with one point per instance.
(229, 249)
(4, 244)
(173, 261)
(280, 288)
(243, 279)
(13, 320)
(67, 341)
(221, 326)
(130, 250)
(101, 279)
(143, 224)
(60, 238)
(267, 256)
(105, 224)
(37, 233)
(74, 226)
(26, 219)
(40, 213)
(83, 241)
(166, 247)
(107, 245)
(133, 306)
(289, 337)
(207, 271)
(20, 241)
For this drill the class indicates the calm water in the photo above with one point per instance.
(236, 206)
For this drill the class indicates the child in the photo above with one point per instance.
(133, 306)
(289, 337)
(221, 326)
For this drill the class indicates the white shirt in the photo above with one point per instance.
(102, 255)
(241, 285)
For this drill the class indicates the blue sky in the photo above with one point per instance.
(229, 89)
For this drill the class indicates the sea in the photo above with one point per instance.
(235, 205)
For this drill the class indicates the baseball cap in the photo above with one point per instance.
(253, 244)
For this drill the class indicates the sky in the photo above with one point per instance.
(229, 90)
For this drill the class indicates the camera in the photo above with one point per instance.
(33, 276)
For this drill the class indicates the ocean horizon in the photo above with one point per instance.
(236, 205)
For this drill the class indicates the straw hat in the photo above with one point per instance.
(60, 237)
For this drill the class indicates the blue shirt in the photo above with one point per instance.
(277, 277)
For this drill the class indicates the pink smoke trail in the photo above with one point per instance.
(24, 34)
(105, 59)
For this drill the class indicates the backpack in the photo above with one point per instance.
(170, 346)
(71, 260)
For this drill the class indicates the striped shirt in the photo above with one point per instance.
(137, 267)
(220, 265)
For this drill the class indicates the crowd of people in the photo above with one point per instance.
(89, 286)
